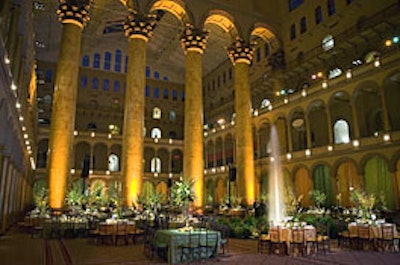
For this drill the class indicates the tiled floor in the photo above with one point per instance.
(19, 248)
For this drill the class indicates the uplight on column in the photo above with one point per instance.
(356, 143)
(308, 152)
(377, 62)
(386, 137)
(324, 84)
(349, 74)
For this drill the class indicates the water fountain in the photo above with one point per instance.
(276, 213)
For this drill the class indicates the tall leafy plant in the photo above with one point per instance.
(182, 192)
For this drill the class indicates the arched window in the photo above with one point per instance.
(156, 113)
(86, 61)
(107, 61)
(156, 133)
(126, 64)
(156, 92)
(165, 93)
(341, 132)
(318, 15)
(116, 86)
(147, 91)
(156, 75)
(84, 81)
(331, 7)
(147, 71)
(113, 163)
(172, 115)
(293, 32)
(258, 54)
(155, 165)
(118, 59)
(106, 84)
(96, 61)
(48, 76)
(303, 25)
(95, 83)
(267, 50)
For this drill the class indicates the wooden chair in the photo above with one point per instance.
(277, 245)
(297, 241)
(364, 237)
(310, 238)
(387, 240)
(323, 238)
(264, 243)
(122, 232)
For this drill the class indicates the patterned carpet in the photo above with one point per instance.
(19, 249)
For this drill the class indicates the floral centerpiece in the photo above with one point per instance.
(181, 196)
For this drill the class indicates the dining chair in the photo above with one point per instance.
(208, 244)
(297, 241)
(264, 243)
(191, 247)
(278, 246)
(225, 234)
(387, 239)
(323, 238)
(364, 237)
(122, 232)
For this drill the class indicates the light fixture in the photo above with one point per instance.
(349, 74)
(18, 105)
(107, 172)
(205, 134)
(75, 133)
(6, 60)
(272, 159)
(109, 136)
(72, 171)
(156, 140)
(170, 140)
(356, 143)
(25, 136)
(23, 128)
(289, 156)
(270, 107)
(286, 101)
(170, 175)
(330, 148)
(92, 134)
(21, 118)
(205, 171)
(304, 93)
(13, 86)
(308, 152)
(91, 171)
(255, 113)
(386, 137)
(324, 84)
(377, 62)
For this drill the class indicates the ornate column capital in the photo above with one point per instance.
(241, 51)
(194, 39)
(139, 25)
(74, 11)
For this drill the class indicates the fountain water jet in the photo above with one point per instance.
(276, 213)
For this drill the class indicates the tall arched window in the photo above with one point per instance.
(85, 61)
(318, 15)
(96, 61)
(156, 113)
(107, 61)
(155, 165)
(95, 83)
(113, 163)
(118, 59)
(156, 133)
(341, 132)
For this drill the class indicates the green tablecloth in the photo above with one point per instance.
(177, 239)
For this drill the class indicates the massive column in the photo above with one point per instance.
(73, 15)
(241, 54)
(138, 28)
(194, 42)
